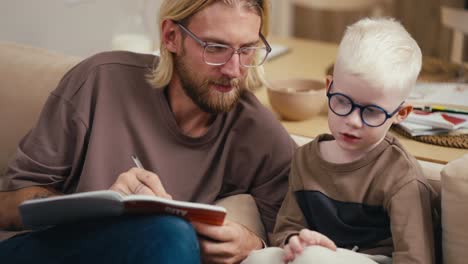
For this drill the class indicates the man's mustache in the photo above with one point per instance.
(226, 82)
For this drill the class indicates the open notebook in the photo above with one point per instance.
(90, 205)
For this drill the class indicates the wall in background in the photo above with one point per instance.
(425, 26)
(85, 27)
(75, 27)
(420, 17)
(280, 16)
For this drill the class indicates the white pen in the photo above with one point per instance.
(137, 162)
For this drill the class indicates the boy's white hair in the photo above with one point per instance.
(381, 52)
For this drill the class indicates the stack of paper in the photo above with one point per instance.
(421, 130)
(420, 123)
(444, 109)
(453, 94)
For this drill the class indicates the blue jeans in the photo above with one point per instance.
(135, 239)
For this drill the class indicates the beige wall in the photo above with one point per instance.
(84, 27)
(425, 26)
(76, 27)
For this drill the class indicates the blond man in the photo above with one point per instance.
(191, 118)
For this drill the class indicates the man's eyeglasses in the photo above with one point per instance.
(219, 54)
(371, 115)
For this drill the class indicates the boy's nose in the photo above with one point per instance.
(354, 119)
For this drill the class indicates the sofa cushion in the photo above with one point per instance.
(432, 172)
(454, 180)
(242, 209)
(27, 75)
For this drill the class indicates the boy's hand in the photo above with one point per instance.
(229, 243)
(306, 237)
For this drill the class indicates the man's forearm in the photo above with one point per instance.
(9, 201)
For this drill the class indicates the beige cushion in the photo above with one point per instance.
(27, 75)
(432, 172)
(454, 211)
(242, 209)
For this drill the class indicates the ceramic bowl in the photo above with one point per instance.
(297, 99)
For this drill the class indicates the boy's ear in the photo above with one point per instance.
(169, 35)
(403, 113)
(328, 80)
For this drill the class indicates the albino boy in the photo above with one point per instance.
(358, 189)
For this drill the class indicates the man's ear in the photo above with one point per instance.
(169, 35)
(403, 113)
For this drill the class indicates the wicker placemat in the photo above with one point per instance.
(436, 70)
(452, 141)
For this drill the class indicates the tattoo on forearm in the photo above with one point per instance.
(41, 195)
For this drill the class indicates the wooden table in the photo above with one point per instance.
(310, 59)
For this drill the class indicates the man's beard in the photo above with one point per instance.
(208, 99)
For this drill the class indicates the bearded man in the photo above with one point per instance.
(191, 118)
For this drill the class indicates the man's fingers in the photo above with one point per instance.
(122, 184)
(229, 243)
(216, 233)
(140, 181)
(135, 185)
(152, 182)
(215, 252)
(142, 189)
(213, 248)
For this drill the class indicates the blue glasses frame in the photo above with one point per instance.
(360, 107)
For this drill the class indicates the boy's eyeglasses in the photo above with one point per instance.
(371, 115)
(219, 54)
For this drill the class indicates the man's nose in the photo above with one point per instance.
(232, 67)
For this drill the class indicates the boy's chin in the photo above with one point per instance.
(357, 148)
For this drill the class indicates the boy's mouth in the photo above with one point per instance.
(349, 137)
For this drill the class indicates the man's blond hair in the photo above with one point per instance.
(182, 10)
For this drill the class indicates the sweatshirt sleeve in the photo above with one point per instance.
(290, 219)
(411, 224)
(46, 155)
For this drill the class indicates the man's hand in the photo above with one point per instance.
(229, 243)
(306, 237)
(139, 181)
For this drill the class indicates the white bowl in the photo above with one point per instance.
(297, 99)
